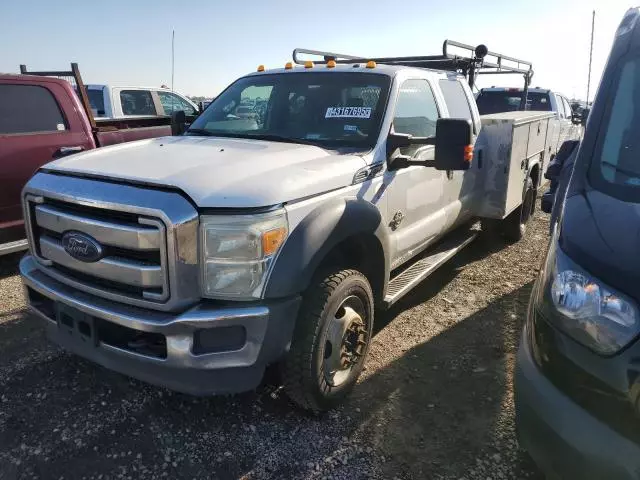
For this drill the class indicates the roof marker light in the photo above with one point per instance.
(331, 64)
(288, 66)
(371, 64)
(261, 68)
(308, 64)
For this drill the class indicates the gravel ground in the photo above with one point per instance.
(435, 400)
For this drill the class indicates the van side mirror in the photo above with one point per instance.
(454, 144)
(178, 122)
(584, 117)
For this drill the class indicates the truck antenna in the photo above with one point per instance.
(173, 39)
(593, 23)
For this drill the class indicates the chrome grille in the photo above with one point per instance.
(134, 264)
(148, 237)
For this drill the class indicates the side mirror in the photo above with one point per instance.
(584, 117)
(454, 144)
(178, 122)
(396, 141)
(402, 140)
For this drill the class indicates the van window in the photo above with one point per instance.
(29, 109)
(619, 159)
(172, 102)
(137, 102)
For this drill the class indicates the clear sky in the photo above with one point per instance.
(129, 42)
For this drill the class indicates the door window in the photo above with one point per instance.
(456, 99)
(416, 112)
(567, 108)
(137, 102)
(29, 109)
(172, 103)
(560, 104)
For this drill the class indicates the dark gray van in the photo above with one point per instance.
(577, 380)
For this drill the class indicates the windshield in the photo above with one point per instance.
(617, 160)
(499, 101)
(329, 109)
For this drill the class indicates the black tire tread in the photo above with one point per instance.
(299, 361)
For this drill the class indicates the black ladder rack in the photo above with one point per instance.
(472, 62)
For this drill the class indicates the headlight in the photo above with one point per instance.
(238, 251)
(585, 308)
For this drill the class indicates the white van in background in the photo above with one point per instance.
(501, 99)
(123, 102)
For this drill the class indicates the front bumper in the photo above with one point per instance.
(563, 438)
(205, 350)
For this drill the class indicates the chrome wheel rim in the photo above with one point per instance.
(345, 341)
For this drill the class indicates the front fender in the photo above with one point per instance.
(316, 236)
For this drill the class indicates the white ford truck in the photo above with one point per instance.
(196, 261)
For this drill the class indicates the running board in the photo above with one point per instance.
(12, 247)
(426, 264)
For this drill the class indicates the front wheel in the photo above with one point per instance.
(330, 341)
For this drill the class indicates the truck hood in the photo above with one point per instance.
(221, 172)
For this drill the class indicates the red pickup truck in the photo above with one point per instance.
(43, 118)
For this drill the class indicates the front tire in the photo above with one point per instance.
(330, 341)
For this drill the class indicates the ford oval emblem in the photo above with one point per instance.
(82, 247)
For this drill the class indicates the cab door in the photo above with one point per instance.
(33, 131)
(460, 189)
(415, 194)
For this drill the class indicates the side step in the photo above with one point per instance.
(426, 264)
(12, 247)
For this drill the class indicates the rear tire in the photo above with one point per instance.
(330, 341)
(515, 225)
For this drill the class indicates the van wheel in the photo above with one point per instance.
(515, 225)
(330, 340)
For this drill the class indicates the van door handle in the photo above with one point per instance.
(65, 151)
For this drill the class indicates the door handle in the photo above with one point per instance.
(65, 151)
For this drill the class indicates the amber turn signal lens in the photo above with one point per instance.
(468, 153)
(272, 240)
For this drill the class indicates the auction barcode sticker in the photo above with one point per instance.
(348, 112)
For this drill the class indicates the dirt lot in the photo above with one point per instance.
(435, 400)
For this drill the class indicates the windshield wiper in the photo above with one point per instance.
(267, 137)
(279, 138)
(200, 131)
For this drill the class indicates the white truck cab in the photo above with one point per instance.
(272, 236)
(564, 126)
(130, 102)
